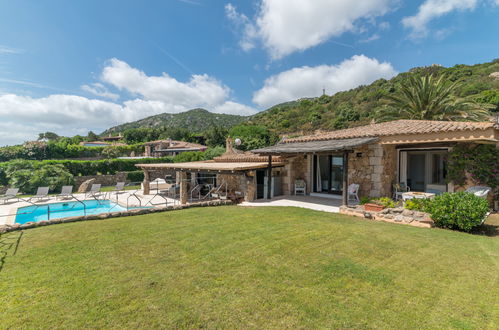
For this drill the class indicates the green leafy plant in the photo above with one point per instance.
(418, 204)
(386, 202)
(462, 211)
(479, 161)
(364, 200)
(135, 176)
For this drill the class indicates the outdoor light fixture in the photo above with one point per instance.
(238, 142)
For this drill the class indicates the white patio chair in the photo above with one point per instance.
(480, 191)
(11, 193)
(353, 192)
(300, 187)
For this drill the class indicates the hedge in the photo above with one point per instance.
(95, 167)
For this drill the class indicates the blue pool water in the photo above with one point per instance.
(66, 209)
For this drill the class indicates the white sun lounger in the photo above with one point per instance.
(41, 193)
(11, 193)
(66, 192)
(94, 190)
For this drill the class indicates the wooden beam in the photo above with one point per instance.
(269, 178)
(345, 178)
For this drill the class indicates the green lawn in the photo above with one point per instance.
(236, 267)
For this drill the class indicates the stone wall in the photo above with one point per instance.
(374, 168)
(395, 215)
(296, 168)
(105, 180)
(245, 183)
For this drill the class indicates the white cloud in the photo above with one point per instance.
(309, 81)
(64, 114)
(100, 90)
(432, 9)
(287, 26)
(10, 50)
(199, 91)
(24, 117)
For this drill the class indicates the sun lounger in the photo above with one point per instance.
(120, 187)
(11, 193)
(94, 190)
(66, 192)
(41, 193)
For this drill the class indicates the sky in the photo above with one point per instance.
(74, 66)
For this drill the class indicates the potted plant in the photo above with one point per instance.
(379, 204)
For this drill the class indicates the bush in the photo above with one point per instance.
(29, 178)
(385, 202)
(462, 211)
(364, 200)
(135, 176)
(418, 204)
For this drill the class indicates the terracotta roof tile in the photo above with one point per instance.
(397, 127)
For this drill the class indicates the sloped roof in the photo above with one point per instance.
(397, 127)
(172, 144)
(210, 166)
(315, 146)
(247, 157)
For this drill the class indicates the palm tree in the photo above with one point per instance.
(431, 99)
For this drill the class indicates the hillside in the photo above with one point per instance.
(196, 120)
(359, 106)
(355, 107)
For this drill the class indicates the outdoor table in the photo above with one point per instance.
(416, 194)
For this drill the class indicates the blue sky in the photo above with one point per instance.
(74, 66)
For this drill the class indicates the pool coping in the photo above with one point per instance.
(28, 225)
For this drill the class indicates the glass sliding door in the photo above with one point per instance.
(328, 174)
(425, 170)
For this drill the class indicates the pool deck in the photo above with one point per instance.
(8, 210)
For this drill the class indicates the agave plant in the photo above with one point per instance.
(429, 98)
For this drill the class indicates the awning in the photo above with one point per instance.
(315, 146)
(209, 166)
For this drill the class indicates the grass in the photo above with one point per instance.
(234, 267)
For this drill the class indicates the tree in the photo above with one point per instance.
(91, 136)
(429, 98)
(252, 136)
(216, 136)
(48, 136)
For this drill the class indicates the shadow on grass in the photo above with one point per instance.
(489, 228)
(8, 245)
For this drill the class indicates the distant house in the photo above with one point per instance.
(161, 148)
(110, 138)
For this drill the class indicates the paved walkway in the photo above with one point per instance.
(309, 202)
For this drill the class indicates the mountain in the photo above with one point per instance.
(195, 120)
(358, 106)
(355, 107)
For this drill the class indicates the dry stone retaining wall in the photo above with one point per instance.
(396, 215)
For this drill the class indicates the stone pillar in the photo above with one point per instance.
(250, 188)
(147, 183)
(184, 193)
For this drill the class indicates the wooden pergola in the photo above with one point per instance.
(230, 168)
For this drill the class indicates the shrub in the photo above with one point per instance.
(364, 200)
(385, 201)
(52, 176)
(418, 204)
(135, 176)
(462, 211)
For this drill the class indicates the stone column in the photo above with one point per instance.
(147, 183)
(184, 193)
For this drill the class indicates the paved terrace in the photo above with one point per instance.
(309, 202)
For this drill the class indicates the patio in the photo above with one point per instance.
(331, 205)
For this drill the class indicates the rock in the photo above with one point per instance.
(384, 211)
(408, 219)
(407, 212)
(388, 216)
(70, 219)
(43, 223)
(399, 218)
(4, 229)
(397, 210)
(104, 216)
(85, 186)
(368, 215)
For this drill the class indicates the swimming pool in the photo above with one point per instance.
(66, 209)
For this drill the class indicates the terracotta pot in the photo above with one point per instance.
(373, 207)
